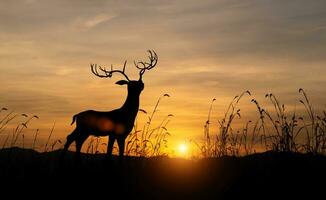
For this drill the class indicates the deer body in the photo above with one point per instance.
(118, 123)
(114, 122)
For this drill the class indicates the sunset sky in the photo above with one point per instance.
(207, 49)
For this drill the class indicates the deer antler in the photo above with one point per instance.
(107, 73)
(153, 58)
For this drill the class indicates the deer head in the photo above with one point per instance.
(134, 86)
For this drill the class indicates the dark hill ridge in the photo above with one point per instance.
(257, 176)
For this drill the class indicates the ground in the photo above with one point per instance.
(258, 176)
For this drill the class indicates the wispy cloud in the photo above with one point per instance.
(98, 19)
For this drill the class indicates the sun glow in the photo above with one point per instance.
(183, 148)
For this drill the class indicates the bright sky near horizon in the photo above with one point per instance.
(207, 49)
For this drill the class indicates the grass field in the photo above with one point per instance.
(290, 161)
(275, 128)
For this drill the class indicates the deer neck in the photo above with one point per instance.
(131, 104)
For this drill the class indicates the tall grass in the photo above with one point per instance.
(48, 140)
(275, 129)
(18, 131)
(151, 140)
(17, 136)
(315, 129)
(225, 141)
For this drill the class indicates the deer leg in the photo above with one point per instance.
(121, 144)
(79, 143)
(70, 139)
(110, 145)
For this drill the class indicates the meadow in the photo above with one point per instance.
(277, 129)
(281, 153)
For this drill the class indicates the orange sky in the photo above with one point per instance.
(207, 49)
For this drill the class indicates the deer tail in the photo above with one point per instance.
(74, 119)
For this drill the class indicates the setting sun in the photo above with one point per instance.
(183, 149)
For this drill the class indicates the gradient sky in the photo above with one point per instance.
(207, 49)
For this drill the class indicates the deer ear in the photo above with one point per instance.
(122, 82)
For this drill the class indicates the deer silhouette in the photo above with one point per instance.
(117, 124)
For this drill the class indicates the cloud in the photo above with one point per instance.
(94, 21)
